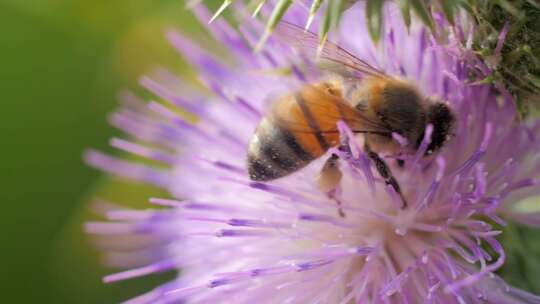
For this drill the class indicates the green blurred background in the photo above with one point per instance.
(62, 65)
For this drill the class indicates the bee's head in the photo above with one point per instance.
(443, 119)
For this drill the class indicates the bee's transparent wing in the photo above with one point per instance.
(308, 43)
(327, 110)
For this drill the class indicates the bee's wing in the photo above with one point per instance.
(308, 43)
(326, 110)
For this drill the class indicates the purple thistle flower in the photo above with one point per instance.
(238, 241)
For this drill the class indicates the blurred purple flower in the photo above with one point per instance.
(236, 241)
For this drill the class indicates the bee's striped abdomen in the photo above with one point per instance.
(294, 134)
(312, 122)
(275, 152)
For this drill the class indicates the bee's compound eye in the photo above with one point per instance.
(443, 119)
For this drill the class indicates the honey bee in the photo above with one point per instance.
(302, 126)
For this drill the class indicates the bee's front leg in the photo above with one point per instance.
(386, 173)
(329, 180)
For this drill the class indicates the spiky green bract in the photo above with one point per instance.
(332, 9)
(518, 64)
(374, 13)
(516, 67)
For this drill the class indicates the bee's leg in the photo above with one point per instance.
(329, 179)
(386, 173)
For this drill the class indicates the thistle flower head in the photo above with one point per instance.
(238, 241)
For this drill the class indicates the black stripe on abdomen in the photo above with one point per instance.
(311, 121)
(276, 154)
(262, 169)
(290, 140)
(273, 148)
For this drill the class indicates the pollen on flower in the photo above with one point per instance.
(234, 240)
